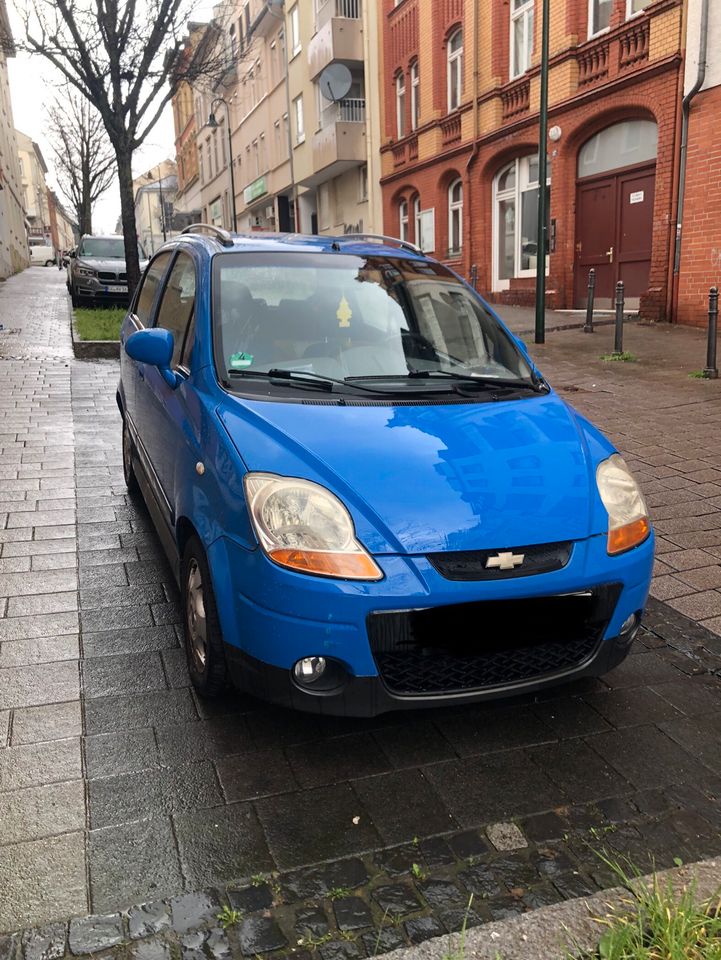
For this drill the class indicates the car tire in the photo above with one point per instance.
(131, 481)
(49, 263)
(201, 625)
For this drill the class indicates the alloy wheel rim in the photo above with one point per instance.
(195, 615)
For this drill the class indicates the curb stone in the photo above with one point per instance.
(91, 349)
(549, 933)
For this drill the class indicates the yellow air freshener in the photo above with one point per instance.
(344, 313)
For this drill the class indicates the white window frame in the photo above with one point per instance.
(294, 17)
(426, 238)
(591, 31)
(414, 75)
(400, 105)
(299, 120)
(416, 220)
(403, 221)
(454, 65)
(525, 14)
(455, 207)
(630, 12)
(522, 185)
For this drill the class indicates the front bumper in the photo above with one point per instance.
(273, 617)
(94, 289)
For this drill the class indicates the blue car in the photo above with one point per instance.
(371, 498)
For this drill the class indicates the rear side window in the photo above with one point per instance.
(149, 287)
(176, 306)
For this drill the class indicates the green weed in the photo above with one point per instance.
(624, 357)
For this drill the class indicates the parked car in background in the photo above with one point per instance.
(96, 270)
(371, 497)
(41, 252)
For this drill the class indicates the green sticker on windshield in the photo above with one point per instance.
(241, 359)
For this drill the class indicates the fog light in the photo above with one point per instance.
(628, 624)
(309, 669)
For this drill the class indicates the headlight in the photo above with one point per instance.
(628, 522)
(87, 272)
(303, 526)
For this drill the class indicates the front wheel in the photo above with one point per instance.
(131, 481)
(203, 636)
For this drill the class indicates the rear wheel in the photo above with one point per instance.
(131, 481)
(203, 636)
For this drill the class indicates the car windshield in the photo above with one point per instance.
(105, 248)
(352, 318)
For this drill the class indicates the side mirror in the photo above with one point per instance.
(154, 347)
(72, 255)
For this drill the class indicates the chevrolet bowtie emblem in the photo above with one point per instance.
(505, 561)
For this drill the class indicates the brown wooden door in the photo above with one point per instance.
(595, 237)
(614, 235)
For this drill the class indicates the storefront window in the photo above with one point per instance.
(516, 220)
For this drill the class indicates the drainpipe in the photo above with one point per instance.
(467, 229)
(686, 109)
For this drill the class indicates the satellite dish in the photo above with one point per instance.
(335, 82)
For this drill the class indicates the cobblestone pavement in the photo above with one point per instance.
(119, 787)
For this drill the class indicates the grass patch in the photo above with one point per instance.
(624, 357)
(697, 375)
(102, 323)
(661, 923)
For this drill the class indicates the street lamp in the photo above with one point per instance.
(213, 124)
(542, 244)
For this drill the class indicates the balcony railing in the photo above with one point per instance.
(350, 110)
(516, 99)
(633, 45)
(605, 57)
(593, 64)
(399, 153)
(451, 129)
(347, 9)
(413, 148)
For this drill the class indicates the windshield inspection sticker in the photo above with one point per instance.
(344, 313)
(241, 359)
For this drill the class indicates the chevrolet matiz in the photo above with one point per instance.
(371, 497)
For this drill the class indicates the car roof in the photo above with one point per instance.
(102, 236)
(367, 244)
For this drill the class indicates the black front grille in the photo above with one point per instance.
(491, 644)
(473, 564)
(107, 277)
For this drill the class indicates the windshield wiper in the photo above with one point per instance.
(302, 377)
(467, 379)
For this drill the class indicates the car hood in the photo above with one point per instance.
(437, 476)
(111, 265)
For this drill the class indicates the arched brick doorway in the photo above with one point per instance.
(615, 193)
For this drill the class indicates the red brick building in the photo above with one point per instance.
(698, 265)
(460, 124)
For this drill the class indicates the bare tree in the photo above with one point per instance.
(124, 57)
(83, 156)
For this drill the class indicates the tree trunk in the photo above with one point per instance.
(127, 216)
(87, 207)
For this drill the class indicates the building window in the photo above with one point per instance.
(201, 167)
(521, 36)
(294, 30)
(400, 106)
(455, 70)
(403, 219)
(363, 183)
(415, 95)
(455, 217)
(417, 219)
(516, 221)
(215, 151)
(209, 159)
(635, 6)
(599, 16)
(256, 159)
(299, 122)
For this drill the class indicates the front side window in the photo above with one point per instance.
(403, 219)
(415, 96)
(455, 217)
(177, 302)
(149, 287)
(400, 106)
(516, 220)
(455, 70)
(599, 16)
(521, 36)
(346, 317)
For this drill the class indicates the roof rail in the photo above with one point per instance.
(222, 235)
(380, 238)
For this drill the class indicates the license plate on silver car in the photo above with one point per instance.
(116, 289)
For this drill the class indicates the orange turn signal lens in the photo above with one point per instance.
(630, 535)
(344, 566)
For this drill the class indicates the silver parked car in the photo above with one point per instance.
(96, 270)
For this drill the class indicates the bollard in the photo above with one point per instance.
(711, 370)
(474, 276)
(588, 326)
(618, 339)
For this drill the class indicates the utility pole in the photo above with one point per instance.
(542, 244)
(162, 207)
